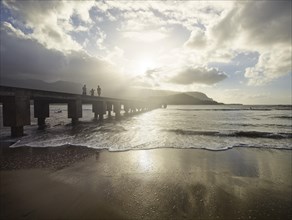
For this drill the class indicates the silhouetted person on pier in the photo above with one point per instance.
(98, 90)
(92, 92)
(84, 90)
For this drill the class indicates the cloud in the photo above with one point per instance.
(5, 26)
(50, 21)
(142, 25)
(197, 40)
(150, 78)
(148, 36)
(267, 22)
(25, 58)
(174, 34)
(254, 23)
(152, 73)
(271, 65)
(262, 26)
(200, 75)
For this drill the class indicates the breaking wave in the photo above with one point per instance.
(283, 117)
(212, 128)
(248, 134)
(227, 109)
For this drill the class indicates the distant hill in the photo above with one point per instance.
(58, 86)
(176, 98)
(199, 95)
(186, 99)
(154, 94)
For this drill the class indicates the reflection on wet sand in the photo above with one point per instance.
(157, 184)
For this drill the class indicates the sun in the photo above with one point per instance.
(142, 65)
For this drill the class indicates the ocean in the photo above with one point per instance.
(216, 127)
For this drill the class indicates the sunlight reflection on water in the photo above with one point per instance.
(207, 127)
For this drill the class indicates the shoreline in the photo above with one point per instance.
(8, 144)
(83, 183)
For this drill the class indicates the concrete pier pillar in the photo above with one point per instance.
(131, 105)
(99, 108)
(134, 109)
(100, 117)
(74, 121)
(117, 109)
(139, 107)
(16, 113)
(41, 123)
(94, 110)
(126, 108)
(109, 108)
(75, 110)
(41, 112)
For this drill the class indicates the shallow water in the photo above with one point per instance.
(209, 127)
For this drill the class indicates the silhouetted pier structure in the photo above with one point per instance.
(16, 106)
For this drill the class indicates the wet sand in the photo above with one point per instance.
(81, 183)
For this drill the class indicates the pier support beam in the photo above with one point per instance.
(41, 112)
(94, 110)
(99, 108)
(140, 108)
(126, 108)
(109, 108)
(134, 110)
(131, 105)
(16, 113)
(117, 109)
(75, 110)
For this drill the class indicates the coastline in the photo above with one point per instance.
(82, 183)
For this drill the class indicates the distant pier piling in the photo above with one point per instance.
(16, 107)
(117, 109)
(126, 108)
(109, 108)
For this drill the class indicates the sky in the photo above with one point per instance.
(233, 51)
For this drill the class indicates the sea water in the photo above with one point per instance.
(214, 127)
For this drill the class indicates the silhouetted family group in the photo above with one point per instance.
(84, 90)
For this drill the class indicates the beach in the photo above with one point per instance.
(152, 110)
(72, 182)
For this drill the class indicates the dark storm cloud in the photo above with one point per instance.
(24, 58)
(200, 75)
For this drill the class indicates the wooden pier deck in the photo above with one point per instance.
(16, 106)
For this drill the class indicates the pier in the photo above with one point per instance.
(16, 106)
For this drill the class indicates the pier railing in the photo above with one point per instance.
(16, 106)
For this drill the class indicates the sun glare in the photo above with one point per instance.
(142, 65)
